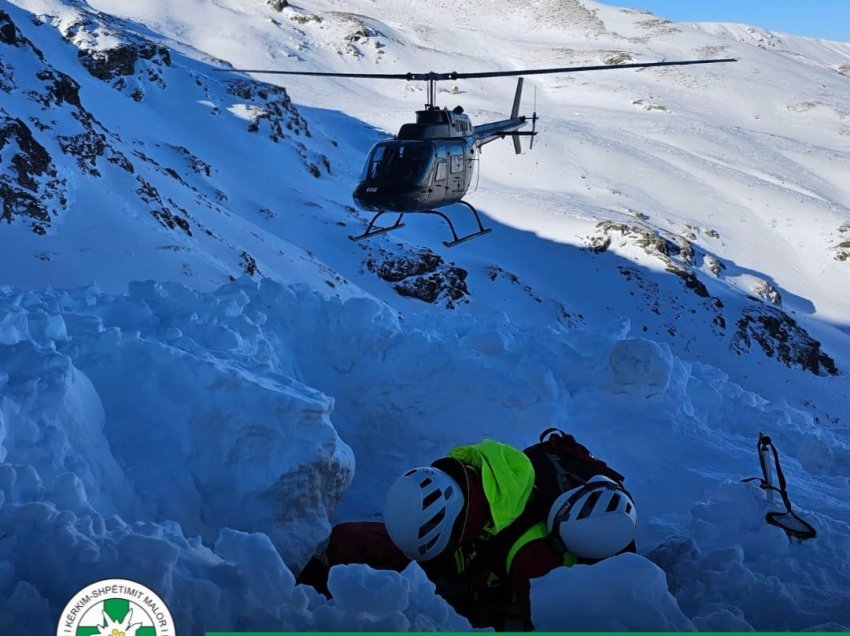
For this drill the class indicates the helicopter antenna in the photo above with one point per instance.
(432, 77)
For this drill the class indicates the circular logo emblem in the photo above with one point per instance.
(115, 607)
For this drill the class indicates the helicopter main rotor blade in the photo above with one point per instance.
(454, 75)
(577, 69)
(398, 76)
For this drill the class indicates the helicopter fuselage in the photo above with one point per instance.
(429, 164)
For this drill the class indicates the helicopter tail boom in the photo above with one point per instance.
(485, 133)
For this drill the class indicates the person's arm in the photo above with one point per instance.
(365, 542)
(354, 542)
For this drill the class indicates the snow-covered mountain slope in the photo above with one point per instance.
(123, 162)
(667, 276)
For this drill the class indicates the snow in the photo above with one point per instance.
(639, 366)
(263, 438)
(173, 414)
(624, 593)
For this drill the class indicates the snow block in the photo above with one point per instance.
(194, 424)
(13, 327)
(623, 593)
(358, 588)
(260, 566)
(384, 600)
(639, 366)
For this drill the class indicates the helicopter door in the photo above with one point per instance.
(457, 170)
(441, 183)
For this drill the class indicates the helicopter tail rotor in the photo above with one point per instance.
(515, 115)
(534, 119)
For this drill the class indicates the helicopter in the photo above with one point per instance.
(429, 164)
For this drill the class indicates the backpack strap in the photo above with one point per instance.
(535, 532)
(494, 554)
(556, 442)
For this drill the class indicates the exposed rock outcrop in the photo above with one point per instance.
(422, 275)
(29, 183)
(779, 335)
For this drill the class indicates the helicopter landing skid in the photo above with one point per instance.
(398, 224)
(381, 230)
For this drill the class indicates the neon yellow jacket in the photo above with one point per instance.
(507, 476)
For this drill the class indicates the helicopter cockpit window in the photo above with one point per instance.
(375, 160)
(400, 163)
(457, 163)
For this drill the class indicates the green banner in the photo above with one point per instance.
(520, 633)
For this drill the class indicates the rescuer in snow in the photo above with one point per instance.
(485, 520)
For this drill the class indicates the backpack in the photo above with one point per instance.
(560, 464)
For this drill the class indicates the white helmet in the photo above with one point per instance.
(420, 512)
(594, 521)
